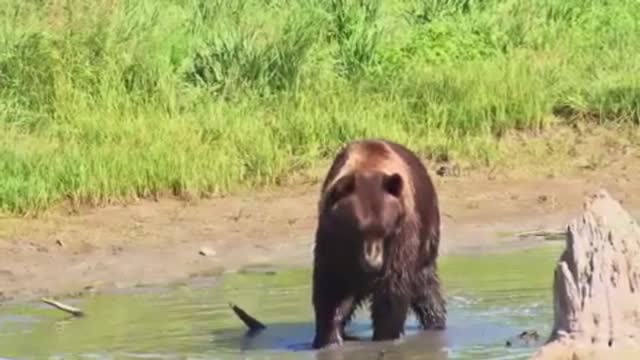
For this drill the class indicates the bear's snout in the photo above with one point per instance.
(373, 255)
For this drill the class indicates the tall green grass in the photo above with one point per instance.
(119, 98)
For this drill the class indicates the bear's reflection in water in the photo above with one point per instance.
(463, 332)
(427, 345)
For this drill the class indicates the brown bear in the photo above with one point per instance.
(377, 239)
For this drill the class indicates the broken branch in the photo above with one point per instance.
(248, 320)
(66, 308)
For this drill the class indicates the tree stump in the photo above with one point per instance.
(596, 287)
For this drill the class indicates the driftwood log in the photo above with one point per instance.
(596, 288)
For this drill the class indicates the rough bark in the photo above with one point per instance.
(597, 286)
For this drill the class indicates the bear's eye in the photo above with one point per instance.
(343, 187)
(392, 184)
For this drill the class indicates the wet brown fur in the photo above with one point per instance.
(408, 278)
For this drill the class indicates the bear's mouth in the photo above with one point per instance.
(372, 256)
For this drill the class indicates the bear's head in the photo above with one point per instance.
(367, 208)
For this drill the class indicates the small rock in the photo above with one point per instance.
(449, 169)
(115, 250)
(529, 335)
(91, 288)
(525, 338)
(38, 247)
(60, 243)
(205, 251)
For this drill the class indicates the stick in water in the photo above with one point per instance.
(248, 320)
(66, 308)
(542, 232)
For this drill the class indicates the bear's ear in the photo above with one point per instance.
(341, 188)
(393, 184)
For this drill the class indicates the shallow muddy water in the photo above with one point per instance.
(492, 298)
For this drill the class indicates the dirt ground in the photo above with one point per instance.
(153, 242)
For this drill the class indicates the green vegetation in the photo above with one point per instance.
(119, 98)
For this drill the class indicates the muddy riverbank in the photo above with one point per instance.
(169, 240)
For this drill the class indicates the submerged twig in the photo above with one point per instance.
(543, 232)
(248, 320)
(66, 308)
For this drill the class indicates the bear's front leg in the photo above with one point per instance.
(327, 330)
(388, 313)
(331, 306)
